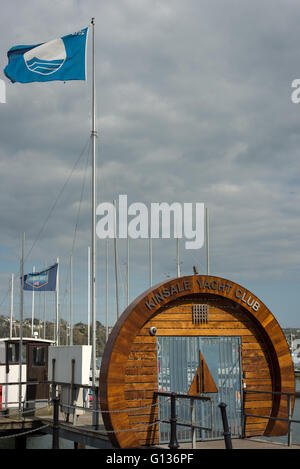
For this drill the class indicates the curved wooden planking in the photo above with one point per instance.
(149, 304)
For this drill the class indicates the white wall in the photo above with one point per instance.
(63, 356)
(11, 393)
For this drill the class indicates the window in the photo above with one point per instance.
(38, 356)
(200, 314)
(13, 353)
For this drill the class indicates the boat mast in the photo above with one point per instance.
(32, 307)
(71, 300)
(89, 294)
(11, 305)
(21, 325)
(57, 304)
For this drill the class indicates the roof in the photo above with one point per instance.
(26, 339)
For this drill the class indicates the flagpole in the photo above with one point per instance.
(32, 308)
(71, 300)
(94, 135)
(89, 294)
(57, 304)
(21, 325)
(11, 305)
(44, 330)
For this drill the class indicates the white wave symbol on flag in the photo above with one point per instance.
(47, 58)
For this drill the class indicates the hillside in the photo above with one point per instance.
(80, 332)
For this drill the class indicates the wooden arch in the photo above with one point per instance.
(148, 305)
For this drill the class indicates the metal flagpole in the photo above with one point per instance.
(57, 304)
(32, 308)
(71, 301)
(44, 329)
(89, 294)
(94, 135)
(21, 325)
(11, 304)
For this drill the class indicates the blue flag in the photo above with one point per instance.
(42, 281)
(61, 59)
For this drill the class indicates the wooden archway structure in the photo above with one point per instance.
(146, 308)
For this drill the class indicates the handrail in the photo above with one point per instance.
(182, 396)
(289, 418)
(173, 417)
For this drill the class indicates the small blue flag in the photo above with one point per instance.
(61, 59)
(42, 281)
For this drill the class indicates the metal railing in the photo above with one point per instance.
(288, 419)
(174, 423)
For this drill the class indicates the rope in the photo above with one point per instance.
(80, 202)
(109, 411)
(23, 433)
(56, 200)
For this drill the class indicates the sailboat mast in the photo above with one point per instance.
(71, 300)
(21, 325)
(11, 305)
(89, 294)
(57, 304)
(32, 308)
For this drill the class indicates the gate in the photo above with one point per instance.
(209, 365)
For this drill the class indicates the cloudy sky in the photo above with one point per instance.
(193, 105)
